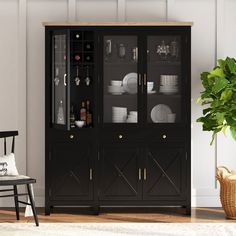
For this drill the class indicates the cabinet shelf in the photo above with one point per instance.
(122, 95)
(121, 64)
(164, 95)
(164, 63)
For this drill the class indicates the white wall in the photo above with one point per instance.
(22, 72)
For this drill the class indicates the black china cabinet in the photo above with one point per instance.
(117, 120)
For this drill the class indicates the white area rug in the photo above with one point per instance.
(115, 229)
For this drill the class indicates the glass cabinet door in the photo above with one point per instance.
(59, 78)
(164, 79)
(120, 79)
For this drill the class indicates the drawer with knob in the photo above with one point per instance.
(166, 135)
(71, 136)
(121, 135)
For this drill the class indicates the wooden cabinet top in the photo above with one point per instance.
(164, 23)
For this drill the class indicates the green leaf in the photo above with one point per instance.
(224, 130)
(220, 117)
(233, 132)
(233, 79)
(198, 100)
(205, 81)
(220, 84)
(214, 135)
(205, 111)
(226, 95)
(217, 72)
(221, 63)
(230, 121)
(230, 62)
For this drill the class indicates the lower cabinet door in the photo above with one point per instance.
(164, 173)
(120, 173)
(71, 172)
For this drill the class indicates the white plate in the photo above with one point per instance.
(130, 83)
(151, 92)
(169, 93)
(160, 113)
(116, 93)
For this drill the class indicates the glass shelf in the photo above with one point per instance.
(164, 63)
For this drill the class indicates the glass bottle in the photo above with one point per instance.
(88, 115)
(60, 114)
(72, 117)
(83, 112)
(121, 51)
(87, 79)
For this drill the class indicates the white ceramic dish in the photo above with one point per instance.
(152, 92)
(159, 113)
(116, 82)
(130, 83)
(114, 89)
(80, 123)
(135, 113)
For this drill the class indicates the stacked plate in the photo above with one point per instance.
(119, 114)
(169, 84)
(132, 117)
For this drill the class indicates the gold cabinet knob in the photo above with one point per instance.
(164, 136)
(71, 136)
(120, 136)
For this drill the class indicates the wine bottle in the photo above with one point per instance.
(72, 117)
(88, 46)
(60, 114)
(77, 57)
(88, 115)
(88, 58)
(83, 112)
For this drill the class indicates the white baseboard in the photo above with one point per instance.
(206, 197)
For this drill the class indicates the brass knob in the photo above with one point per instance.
(120, 136)
(164, 136)
(71, 136)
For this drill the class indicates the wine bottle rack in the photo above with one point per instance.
(82, 69)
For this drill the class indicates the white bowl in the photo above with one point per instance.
(169, 79)
(116, 82)
(80, 123)
(150, 86)
(118, 109)
(135, 113)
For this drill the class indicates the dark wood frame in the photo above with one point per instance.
(107, 134)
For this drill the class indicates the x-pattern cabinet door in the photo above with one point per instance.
(164, 173)
(71, 172)
(120, 173)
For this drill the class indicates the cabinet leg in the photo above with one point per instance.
(47, 210)
(188, 210)
(96, 210)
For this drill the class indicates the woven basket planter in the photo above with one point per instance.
(227, 181)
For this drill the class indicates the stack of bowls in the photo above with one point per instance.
(119, 114)
(169, 84)
(116, 87)
(150, 86)
(132, 117)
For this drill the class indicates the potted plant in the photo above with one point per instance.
(219, 113)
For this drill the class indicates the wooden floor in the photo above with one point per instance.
(160, 215)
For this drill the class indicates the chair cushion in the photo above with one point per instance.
(8, 165)
(13, 177)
